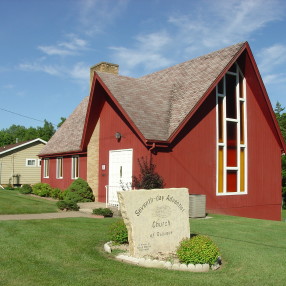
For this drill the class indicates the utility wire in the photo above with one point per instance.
(9, 111)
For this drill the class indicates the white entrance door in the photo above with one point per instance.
(120, 173)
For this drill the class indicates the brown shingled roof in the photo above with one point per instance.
(156, 103)
(68, 136)
(166, 97)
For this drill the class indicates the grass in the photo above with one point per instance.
(70, 252)
(12, 202)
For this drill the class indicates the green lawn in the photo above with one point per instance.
(70, 252)
(12, 202)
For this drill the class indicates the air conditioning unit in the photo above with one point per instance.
(197, 206)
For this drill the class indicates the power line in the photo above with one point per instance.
(9, 111)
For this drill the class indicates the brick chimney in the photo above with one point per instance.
(103, 67)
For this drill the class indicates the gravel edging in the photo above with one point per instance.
(154, 263)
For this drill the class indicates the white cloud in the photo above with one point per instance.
(95, 15)
(271, 62)
(224, 22)
(8, 86)
(147, 52)
(79, 71)
(274, 78)
(272, 57)
(40, 67)
(70, 47)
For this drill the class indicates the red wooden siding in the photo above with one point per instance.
(110, 123)
(67, 172)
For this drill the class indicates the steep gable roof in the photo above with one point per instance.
(16, 146)
(68, 136)
(166, 97)
(157, 105)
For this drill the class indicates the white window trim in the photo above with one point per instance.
(30, 159)
(72, 167)
(45, 167)
(239, 145)
(57, 167)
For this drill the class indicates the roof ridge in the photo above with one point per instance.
(193, 59)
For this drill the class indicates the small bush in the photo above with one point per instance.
(68, 205)
(79, 191)
(106, 212)
(199, 249)
(118, 232)
(42, 189)
(56, 193)
(10, 187)
(148, 178)
(25, 189)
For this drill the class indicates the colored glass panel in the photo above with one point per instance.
(220, 88)
(231, 97)
(233, 68)
(220, 170)
(241, 91)
(231, 144)
(242, 170)
(220, 119)
(231, 181)
(242, 122)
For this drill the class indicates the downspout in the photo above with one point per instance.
(153, 147)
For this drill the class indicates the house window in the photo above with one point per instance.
(59, 168)
(30, 162)
(231, 133)
(75, 167)
(46, 168)
(39, 162)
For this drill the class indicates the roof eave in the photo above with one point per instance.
(22, 145)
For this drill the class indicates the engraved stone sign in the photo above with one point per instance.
(157, 220)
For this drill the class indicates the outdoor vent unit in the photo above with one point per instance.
(197, 204)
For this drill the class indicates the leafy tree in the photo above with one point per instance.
(47, 131)
(281, 118)
(21, 133)
(63, 119)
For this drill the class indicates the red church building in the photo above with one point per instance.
(207, 123)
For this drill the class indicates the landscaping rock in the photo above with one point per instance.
(191, 267)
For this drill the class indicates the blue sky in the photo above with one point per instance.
(48, 46)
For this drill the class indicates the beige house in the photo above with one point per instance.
(20, 164)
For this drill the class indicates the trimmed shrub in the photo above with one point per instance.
(68, 205)
(10, 187)
(106, 212)
(148, 178)
(42, 189)
(199, 249)
(56, 193)
(118, 232)
(25, 189)
(79, 191)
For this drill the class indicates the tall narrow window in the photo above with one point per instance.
(59, 169)
(231, 133)
(75, 167)
(46, 168)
